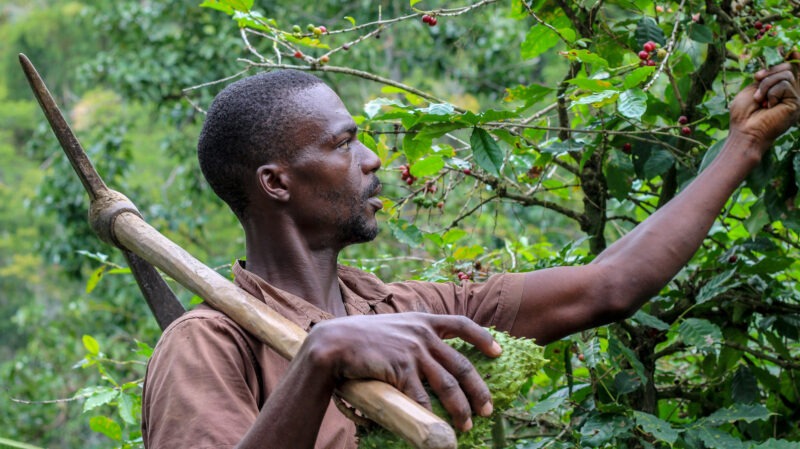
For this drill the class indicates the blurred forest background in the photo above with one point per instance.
(715, 362)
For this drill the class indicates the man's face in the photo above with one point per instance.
(334, 187)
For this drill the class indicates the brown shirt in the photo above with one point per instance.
(208, 378)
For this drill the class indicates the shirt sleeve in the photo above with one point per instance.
(494, 302)
(201, 388)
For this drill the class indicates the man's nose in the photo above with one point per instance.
(370, 162)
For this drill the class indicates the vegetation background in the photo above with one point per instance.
(535, 139)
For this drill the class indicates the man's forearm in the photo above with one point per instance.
(293, 413)
(652, 253)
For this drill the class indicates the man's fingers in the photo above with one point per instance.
(449, 391)
(764, 73)
(784, 89)
(413, 388)
(480, 398)
(769, 82)
(467, 330)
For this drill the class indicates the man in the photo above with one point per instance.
(281, 149)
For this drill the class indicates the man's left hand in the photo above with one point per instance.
(767, 108)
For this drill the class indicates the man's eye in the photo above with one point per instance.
(345, 145)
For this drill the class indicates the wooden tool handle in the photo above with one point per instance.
(379, 401)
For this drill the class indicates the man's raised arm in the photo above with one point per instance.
(559, 301)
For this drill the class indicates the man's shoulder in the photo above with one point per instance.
(203, 323)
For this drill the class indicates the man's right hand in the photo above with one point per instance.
(402, 349)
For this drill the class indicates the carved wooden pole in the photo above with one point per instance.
(115, 220)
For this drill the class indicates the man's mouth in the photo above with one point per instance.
(373, 197)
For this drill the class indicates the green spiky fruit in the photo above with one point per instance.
(505, 376)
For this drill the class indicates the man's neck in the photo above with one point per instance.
(291, 264)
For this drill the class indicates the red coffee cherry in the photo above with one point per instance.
(686, 130)
(644, 55)
(683, 120)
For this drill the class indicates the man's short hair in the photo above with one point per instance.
(247, 126)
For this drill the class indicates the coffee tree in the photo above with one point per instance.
(637, 110)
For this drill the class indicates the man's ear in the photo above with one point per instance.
(273, 181)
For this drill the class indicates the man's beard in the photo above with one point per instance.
(354, 227)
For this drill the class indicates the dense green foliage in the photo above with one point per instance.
(504, 376)
(532, 125)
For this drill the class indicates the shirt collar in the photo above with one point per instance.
(360, 292)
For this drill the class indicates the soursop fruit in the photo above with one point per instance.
(505, 375)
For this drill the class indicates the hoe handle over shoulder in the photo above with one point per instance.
(116, 220)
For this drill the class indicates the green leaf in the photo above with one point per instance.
(700, 333)
(759, 217)
(711, 154)
(744, 386)
(716, 439)
(625, 382)
(218, 5)
(738, 412)
(769, 265)
(716, 286)
(91, 345)
(602, 427)
(563, 147)
(650, 321)
(647, 30)
(619, 172)
(772, 443)
(538, 40)
(100, 397)
(591, 84)
(144, 349)
(415, 148)
(551, 403)
(374, 106)
(657, 427)
(487, 153)
(414, 2)
(453, 235)
(468, 252)
(106, 426)
(632, 104)
(405, 232)
(617, 348)
(636, 77)
(599, 99)
(700, 33)
(126, 406)
(428, 166)
(587, 57)
(91, 283)
(658, 163)
(438, 109)
(529, 94)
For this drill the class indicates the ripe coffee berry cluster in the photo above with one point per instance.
(685, 130)
(406, 175)
(430, 187)
(464, 276)
(430, 20)
(763, 29)
(646, 56)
